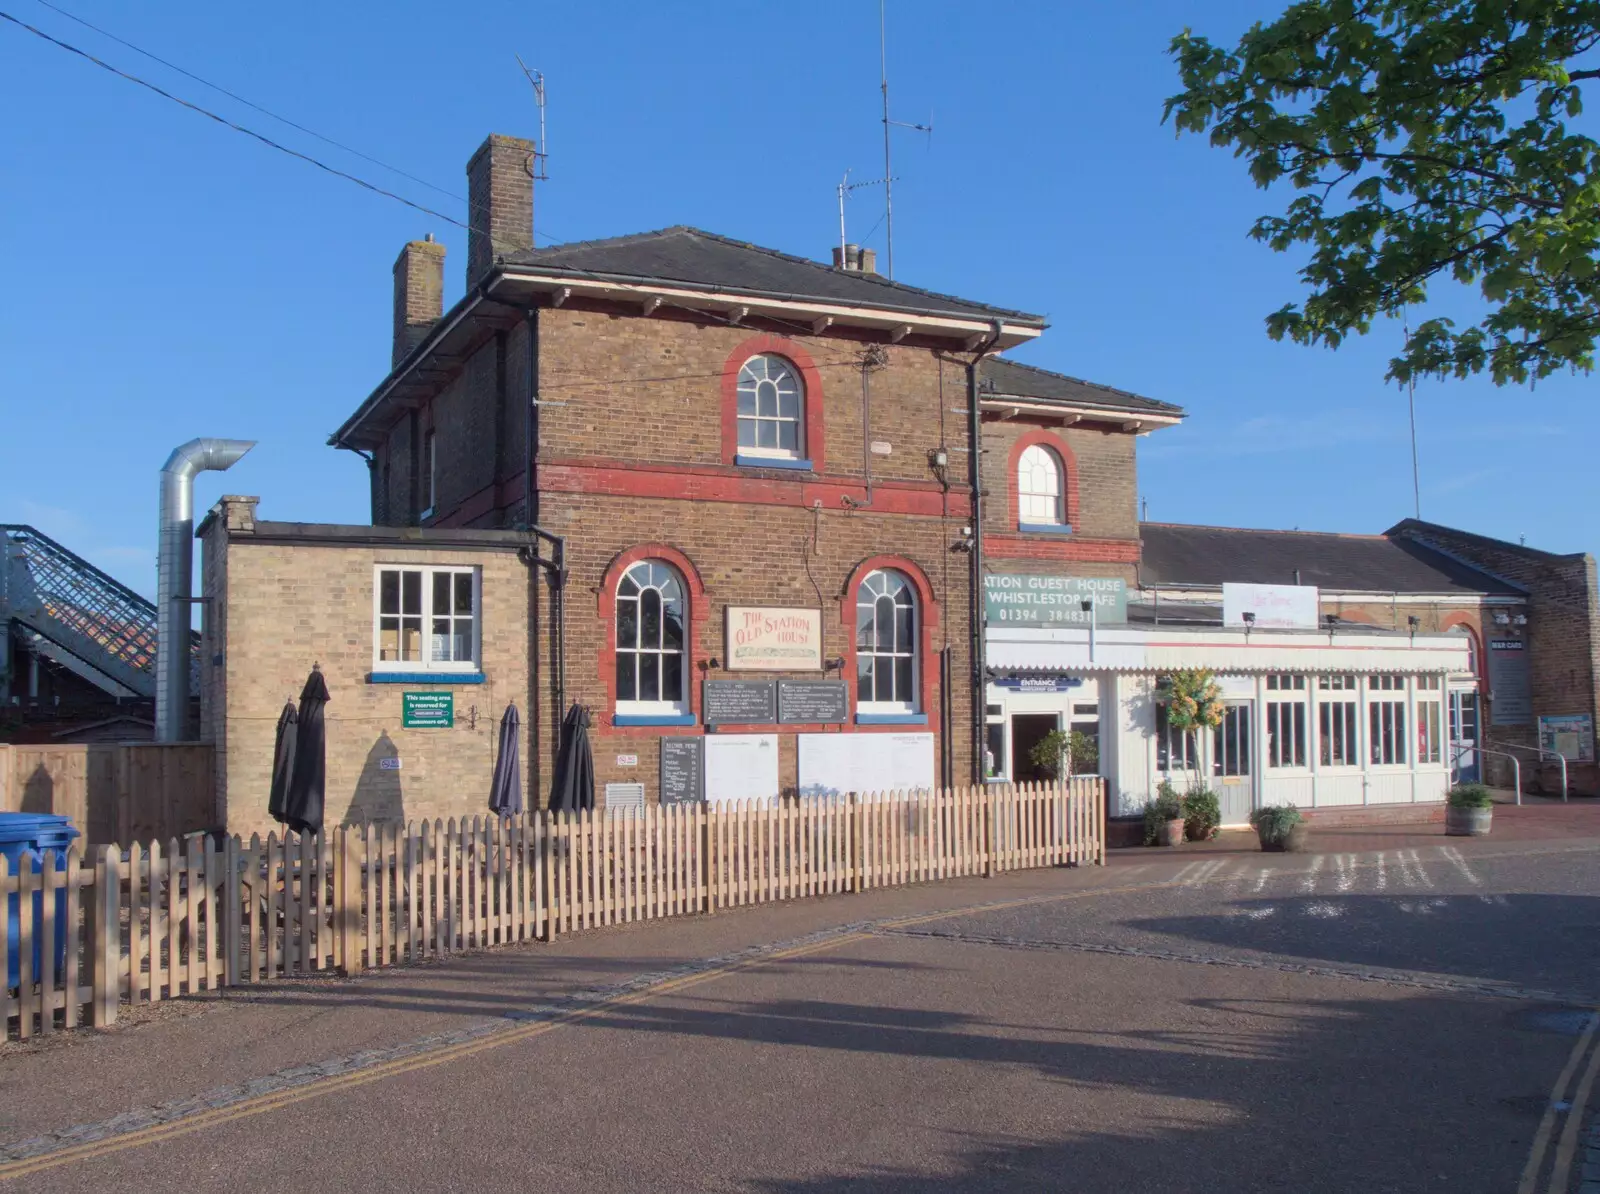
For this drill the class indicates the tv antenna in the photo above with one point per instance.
(844, 189)
(541, 149)
(888, 170)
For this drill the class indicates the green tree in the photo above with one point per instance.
(1428, 140)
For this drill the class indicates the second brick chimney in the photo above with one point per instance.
(499, 202)
(418, 294)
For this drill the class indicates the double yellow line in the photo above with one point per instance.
(1567, 1146)
(261, 1104)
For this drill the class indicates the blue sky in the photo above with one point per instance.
(167, 278)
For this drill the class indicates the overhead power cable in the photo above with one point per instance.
(226, 123)
(189, 74)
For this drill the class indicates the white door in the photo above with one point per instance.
(1231, 751)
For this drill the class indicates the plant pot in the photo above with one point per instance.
(1172, 832)
(1293, 842)
(1467, 822)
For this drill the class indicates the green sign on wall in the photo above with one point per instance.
(1028, 599)
(427, 710)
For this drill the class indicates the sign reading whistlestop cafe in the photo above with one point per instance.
(774, 640)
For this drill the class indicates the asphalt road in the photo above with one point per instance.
(1378, 1022)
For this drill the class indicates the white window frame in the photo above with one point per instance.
(892, 708)
(1339, 691)
(1393, 694)
(1242, 715)
(1044, 506)
(427, 663)
(799, 420)
(1287, 707)
(1190, 740)
(661, 708)
(1428, 714)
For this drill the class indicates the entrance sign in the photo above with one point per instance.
(1276, 607)
(1038, 683)
(682, 770)
(836, 764)
(774, 640)
(813, 702)
(427, 710)
(736, 702)
(1510, 688)
(1029, 599)
(1570, 735)
(742, 767)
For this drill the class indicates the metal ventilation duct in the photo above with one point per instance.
(175, 573)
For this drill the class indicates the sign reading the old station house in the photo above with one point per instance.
(774, 640)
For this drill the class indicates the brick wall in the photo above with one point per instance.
(279, 607)
(1563, 631)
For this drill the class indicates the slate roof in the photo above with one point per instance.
(1178, 555)
(1013, 379)
(695, 258)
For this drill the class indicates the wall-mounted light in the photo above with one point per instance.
(1501, 618)
(1413, 621)
(1520, 620)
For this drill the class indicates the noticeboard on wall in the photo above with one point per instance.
(427, 710)
(682, 769)
(836, 764)
(739, 702)
(741, 767)
(1570, 735)
(1510, 686)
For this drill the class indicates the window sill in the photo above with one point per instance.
(426, 678)
(652, 719)
(744, 461)
(891, 719)
(1043, 528)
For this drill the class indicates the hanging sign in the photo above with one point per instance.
(774, 640)
(1029, 599)
(427, 710)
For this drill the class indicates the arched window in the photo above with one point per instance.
(1039, 488)
(771, 399)
(886, 638)
(651, 674)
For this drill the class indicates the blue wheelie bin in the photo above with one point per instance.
(24, 837)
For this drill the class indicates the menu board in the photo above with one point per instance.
(1510, 687)
(734, 702)
(813, 702)
(836, 764)
(682, 770)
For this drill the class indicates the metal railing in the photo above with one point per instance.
(1543, 753)
(1516, 767)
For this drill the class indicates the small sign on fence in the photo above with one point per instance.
(427, 710)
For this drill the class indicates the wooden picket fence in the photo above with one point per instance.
(148, 923)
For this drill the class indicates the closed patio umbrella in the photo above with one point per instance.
(302, 805)
(573, 788)
(283, 751)
(505, 791)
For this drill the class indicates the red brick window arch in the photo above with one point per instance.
(772, 406)
(652, 603)
(1042, 479)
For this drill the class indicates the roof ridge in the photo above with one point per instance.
(877, 279)
(1422, 525)
(1195, 526)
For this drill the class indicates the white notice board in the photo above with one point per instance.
(741, 767)
(834, 764)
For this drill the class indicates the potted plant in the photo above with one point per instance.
(1163, 818)
(1061, 753)
(1280, 827)
(1468, 811)
(1193, 698)
(1202, 813)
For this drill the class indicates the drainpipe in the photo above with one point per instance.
(175, 575)
(980, 683)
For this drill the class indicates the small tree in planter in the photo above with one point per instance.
(1163, 818)
(1280, 828)
(1202, 813)
(1469, 811)
(1193, 698)
(1061, 753)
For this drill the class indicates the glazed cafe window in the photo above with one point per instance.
(1430, 720)
(1286, 721)
(1176, 750)
(425, 620)
(1338, 698)
(1386, 720)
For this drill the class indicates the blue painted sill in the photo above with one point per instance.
(771, 462)
(653, 719)
(1044, 528)
(891, 719)
(426, 678)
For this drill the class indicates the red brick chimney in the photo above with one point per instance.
(418, 294)
(499, 202)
